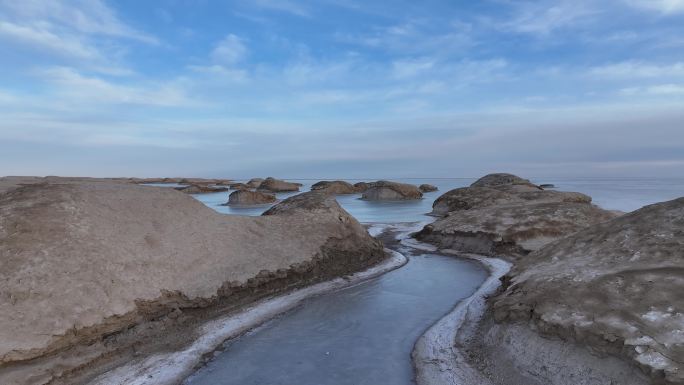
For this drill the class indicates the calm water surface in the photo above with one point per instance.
(625, 194)
(356, 336)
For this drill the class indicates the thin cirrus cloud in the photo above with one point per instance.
(530, 86)
(44, 39)
(635, 69)
(92, 17)
(544, 18)
(229, 50)
(662, 6)
(292, 7)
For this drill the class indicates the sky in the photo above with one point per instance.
(342, 88)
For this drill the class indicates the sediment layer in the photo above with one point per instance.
(93, 271)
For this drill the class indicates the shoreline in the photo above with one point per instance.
(174, 367)
(435, 356)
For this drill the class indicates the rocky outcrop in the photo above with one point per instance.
(239, 186)
(337, 187)
(388, 191)
(502, 214)
(201, 189)
(204, 181)
(467, 198)
(361, 186)
(83, 264)
(152, 180)
(276, 185)
(315, 202)
(511, 230)
(246, 197)
(615, 287)
(254, 182)
(427, 188)
(502, 179)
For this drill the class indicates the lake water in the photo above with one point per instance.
(625, 194)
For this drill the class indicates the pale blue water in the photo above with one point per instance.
(362, 335)
(625, 194)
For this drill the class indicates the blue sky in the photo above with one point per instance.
(342, 88)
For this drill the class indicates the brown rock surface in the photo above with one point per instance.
(239, 186)
(427, 188)
(467, 198)
(513, 229)
(361, 186)
(246, 197)
(616, 287)
(504, 214)
(334, 187)
(254, 182)
(203, 181)
(276, 185)
(386, 190)
(201, 189)
(85, 260)
(501, 179)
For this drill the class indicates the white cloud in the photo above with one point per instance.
(7, 98)
(663, 6)
(225, 57)
(83, 33)
(415, 37)
(219, 72)
(306, 70)
(655, 90)
(45, 40)
(73, 87)
(543, 18)
(91, 17)
(411, 67)
(635, 69)
(229, 50)
(287, 6)
(667, 89)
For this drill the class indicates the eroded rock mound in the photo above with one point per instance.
(203, 181)
(427, 188)
(334, 187)
(467, 198)
(255, 182)
(615, 286)
(511, 230)
(387, 191)
(239, 186)
(493, 180)
(276, 185)
(201, 189)
(361, 186)
(83, 261)
(246, 197)
(504, 214)
(312, 202)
